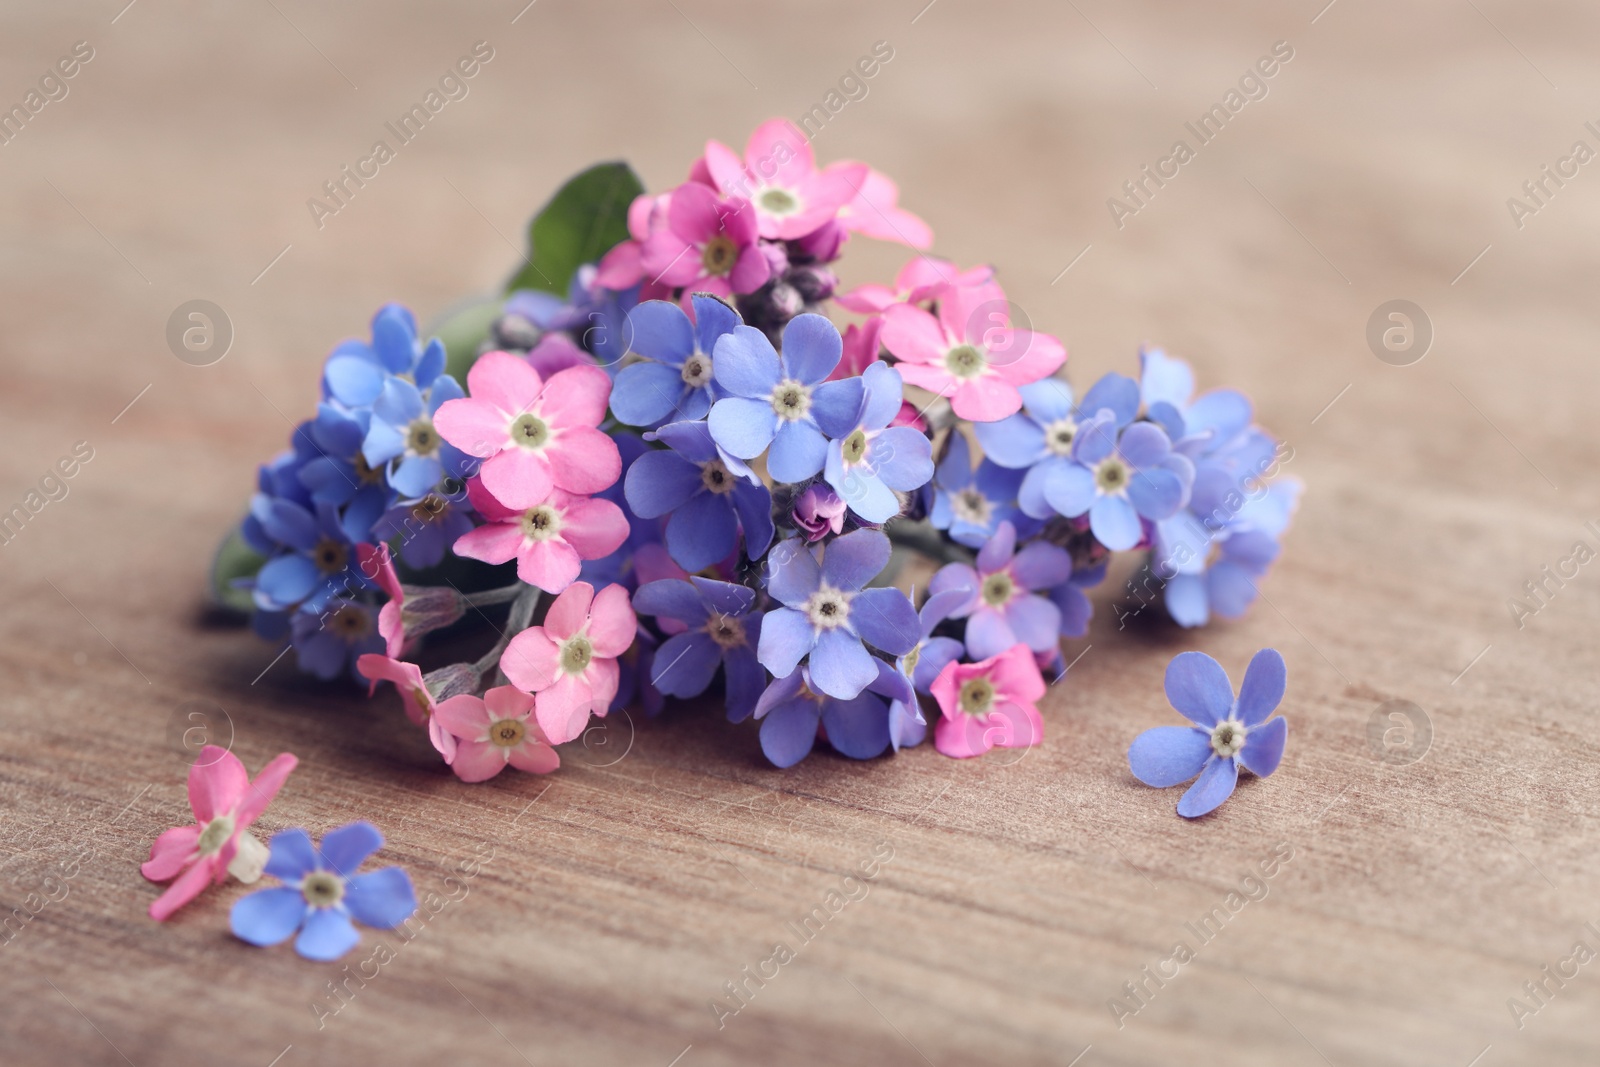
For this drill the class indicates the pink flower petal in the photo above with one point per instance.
(695, 213)
(835, 187)
(930, 376)
(505, 381)
(520, 477)
(620, 268)
(264, 788)
(986, 399)
(465, 716)
(185, 889)
(778, 154)
(582, 460)
(551, 565)
(498, 542)
(487, 504)
(531, 660)
(576, 396)
(670, 260)
(478, 761)
(612, 622)
(912, 334)
(1023, 357)
(169, 852)
(216, 782)
(475, 426)
(570, 611)
(508, 702)
(535, 757)
(603, 677)
(1016, 675)
(726, 169)
(595, 527)
(563, 708)
(960, 738)
(1013, 726)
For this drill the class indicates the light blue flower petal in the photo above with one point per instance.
(1015, 441)
(268, 916)
(1117, 392)
(1168, 755)
(1214, 785)
(287, 580)
(1046, 400)
(1041, 565)
(794, 573)
(431, 364)
(1226, 412)
(857, 728)
(345, 849)
(353, 381)
(646, 393)
(399, 403)
(745, 363)
(885, 620)
(1231, 588)
(1097, 438)
(382, 899)
(811, 347)
(937, 654)
(744, 427)
(840, 666)
(712, 319)
(853, 560)
(903, 458)
(1115, 523)
(1187, 601)
(835, 405)
(659, 482)
(383, 443)
(789, 732)
(988, 633)
(754, 506)
(1163, 378)
(798, 451)
(1030, 495)
(1262, 689)
(702, 532)
(1263, 747)
(327, 934)
(1198, 687)
(685, 664)
(671, 598)
(863, 491)
(659, 330)
(786, 637)
(884, 391)
(416, 475)
(1069, 489)
(1156, 493)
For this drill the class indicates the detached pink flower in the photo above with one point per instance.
(708, 246)
(495, 730)
(779, 177)
(990, 703)
(970, 353)
(549, 540)
(875, 210)
(570, 662)
(415, 696)
(225, 802)
(533, 435)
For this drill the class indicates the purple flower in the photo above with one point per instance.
(818, 512)
(827, 612)
(1120, 479)
(874, 459)
(1226, 732)
(619, 566)
(1001, 607)
(673, 379)
(1038, 439)
(783, 401)
(922, 665)
(972, 505)
(792, 708)
(721, 631)
(426, 528)
(328, 643)
(709, 494)
(322, 893)
(316, 559)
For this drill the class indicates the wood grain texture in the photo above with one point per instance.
(612, 901)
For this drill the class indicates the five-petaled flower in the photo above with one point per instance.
(570, 662)
(322, 893)
(533, 435)
(1120, 479)
(989, 703)
(827, 612)
(225, 802)
(710, 495)
(874, 460)
(495, 730)
(707, 246)
(1002, 607)
(672, 379)
(1227, 732)
(721, 630)
(549, 539)
(779, 177)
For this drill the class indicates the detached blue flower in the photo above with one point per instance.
(827, 613)
(972, 505)
(322, 893)
(1226, 734)
(673, 380)
(783, 401)
(710, 495)
(873, 460)
(1038, 439)
(721, 631)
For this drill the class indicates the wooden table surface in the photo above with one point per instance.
(1015, 896)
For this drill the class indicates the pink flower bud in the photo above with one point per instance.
(818, 512)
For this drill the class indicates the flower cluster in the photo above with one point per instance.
(678, 444)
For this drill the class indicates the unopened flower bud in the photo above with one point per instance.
(818, 512)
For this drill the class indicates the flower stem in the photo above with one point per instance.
(486, 597)
(923, 538)
(525, 603)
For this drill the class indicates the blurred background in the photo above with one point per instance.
(1425, 152)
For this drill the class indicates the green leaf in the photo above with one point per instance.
(462, 329)
(584, 220)
(234, 559)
